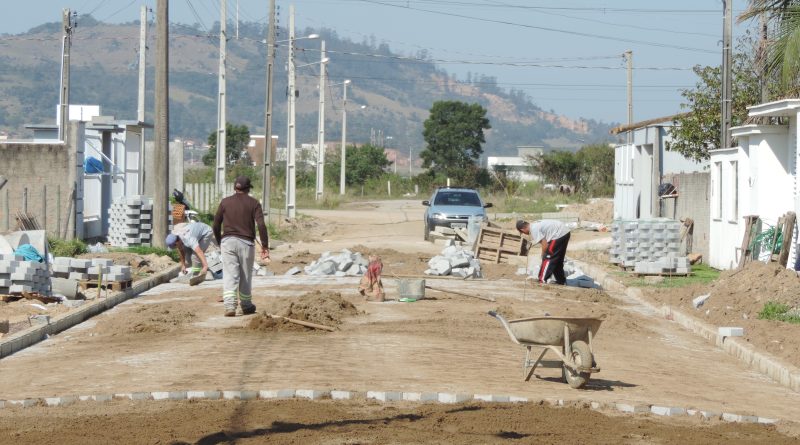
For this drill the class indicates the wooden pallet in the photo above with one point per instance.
(113, 285)
(661, 274)
(8, 298)
(497, 245)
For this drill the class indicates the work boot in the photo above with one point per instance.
(249, 310)
(230, 313)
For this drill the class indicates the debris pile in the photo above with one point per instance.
(455, 261)
(89, 269)
(131, 221)
(575, 276)
(18, 276)
(343, 264)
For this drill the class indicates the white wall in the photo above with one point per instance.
(730, 201)
(624, 192)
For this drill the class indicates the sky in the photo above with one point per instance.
(566, 55)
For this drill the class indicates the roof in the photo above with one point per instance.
(641, 124)
(783, 107)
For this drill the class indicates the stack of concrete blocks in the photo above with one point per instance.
(89, 269)
(343, 264)
(673, 263)
(18, 275)
(455, 261)
(645, 241)
(131, 221)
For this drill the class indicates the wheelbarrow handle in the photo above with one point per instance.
(505, 325)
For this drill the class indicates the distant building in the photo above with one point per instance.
(255, 148)
(517, 167)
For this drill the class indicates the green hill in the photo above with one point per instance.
(398, 89)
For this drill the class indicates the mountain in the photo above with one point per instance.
(397, 89)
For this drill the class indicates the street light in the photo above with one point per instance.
(344, 136)
(321, 126)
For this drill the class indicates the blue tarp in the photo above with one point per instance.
(92, 165)
(29, 253)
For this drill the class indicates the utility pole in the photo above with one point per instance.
(161, 149)
(762, 58)
(344, 138)
(290, 147)
(629, 59)
(237, 19)
(221, 119)
(63, 100)
(321, 126)
(141, 103)
(266, 173)
(727, 31)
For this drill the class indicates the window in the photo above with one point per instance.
(716, 184)
(734, 217)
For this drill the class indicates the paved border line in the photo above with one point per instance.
(385, 397)
(782, 373)
(22, 339)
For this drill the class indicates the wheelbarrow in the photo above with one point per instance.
(567, 337)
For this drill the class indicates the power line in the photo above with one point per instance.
(543, 28)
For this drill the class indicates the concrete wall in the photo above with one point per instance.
(46, 180)
(726, 213)
(693, 202)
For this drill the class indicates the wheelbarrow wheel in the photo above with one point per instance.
(582, 356)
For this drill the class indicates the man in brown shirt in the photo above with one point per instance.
(238, 215)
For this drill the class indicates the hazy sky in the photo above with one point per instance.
(565, 54)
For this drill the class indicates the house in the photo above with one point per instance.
(642, 166)
(516, 167)
(757, 177)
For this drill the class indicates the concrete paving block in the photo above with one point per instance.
(17, 288)
(310, 394)
(293, 271)
(24, 403)
(102, 397)
(72, 304)
(104, 262)
(730, 332)
(11, 257)
(342, 395)
(60, 401)
(491, 398)
(78, 276)
(141, 396)
(516, 399)
(445, 397)
(596, 405)
(421, 396)
(384, 396)
(160, 395)
(766, 421)
(77, 263)
(208, 395)
(628, 408)
(276, 394)
(667, 410)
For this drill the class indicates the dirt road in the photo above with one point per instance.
(175, 338)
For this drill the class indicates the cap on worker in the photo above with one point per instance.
(521, 223)
(171, 240)
(242, 183)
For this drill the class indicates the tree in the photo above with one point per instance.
(362, 163)
(454, 133)
(236, 139)
(782, 58)
(698, 130)
(590, 170)
(557, 167)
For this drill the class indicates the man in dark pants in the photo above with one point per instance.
(554, 237)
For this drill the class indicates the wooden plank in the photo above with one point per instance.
(113, 285)
(745, 249)
(788, 234)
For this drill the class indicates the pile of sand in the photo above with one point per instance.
(394, 262)
(737, 297)
(141, 265)
(148, 319)
(599, 210)
(320, 307)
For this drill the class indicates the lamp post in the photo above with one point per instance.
(321, 126)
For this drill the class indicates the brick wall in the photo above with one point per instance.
(693, 201)
(41, 178)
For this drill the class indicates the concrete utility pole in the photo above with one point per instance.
(727, 32)
(629, 59)
(266, 173)
(221, 119)
(141, 103)
(290, 142)
(344, 137)
(63, 100)
(321, 126)
(161, 149)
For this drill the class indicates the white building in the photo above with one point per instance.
(758, 177)
(516, 167)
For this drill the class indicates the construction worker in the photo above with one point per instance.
(553, 235)
(238, 215)
(192, 241)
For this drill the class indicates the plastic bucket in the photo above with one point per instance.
(411, 288)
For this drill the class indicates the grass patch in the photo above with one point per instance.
(778, 311)
(701, 274)
(68, 248)
(147, 250)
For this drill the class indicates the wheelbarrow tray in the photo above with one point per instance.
(549, 331)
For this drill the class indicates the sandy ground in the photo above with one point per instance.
(175, 338)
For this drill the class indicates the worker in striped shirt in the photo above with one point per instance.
(553, 235)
